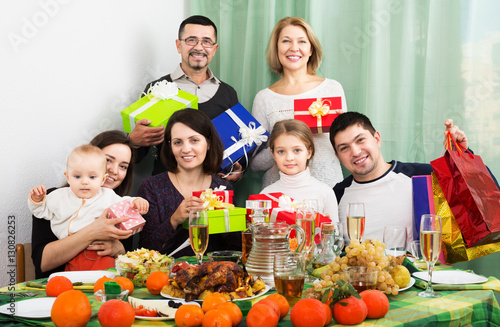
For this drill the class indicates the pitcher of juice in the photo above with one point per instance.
(268, 239)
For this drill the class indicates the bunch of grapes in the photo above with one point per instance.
(369, 254)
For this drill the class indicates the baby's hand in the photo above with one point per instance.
(140, 205)
(37, 194)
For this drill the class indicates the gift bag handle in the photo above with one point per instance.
(460, 148)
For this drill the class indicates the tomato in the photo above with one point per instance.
(143, 312)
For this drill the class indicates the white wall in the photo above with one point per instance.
(67, 69)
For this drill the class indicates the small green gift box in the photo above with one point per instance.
(162, 100)
(224, 220)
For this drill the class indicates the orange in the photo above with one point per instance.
(58, 284)
(270, 303)
(116, 313)
(212, 301)
(99, 284)
(282, 303)
(308, 313)
(71, 308)
(376, 302)
(216, 318)
(189, 315)
(350, 311)
(233, 311)
(125, 284)
(262, 316)
(329, 314)
(155, 282)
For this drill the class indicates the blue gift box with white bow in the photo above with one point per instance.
(241, 134)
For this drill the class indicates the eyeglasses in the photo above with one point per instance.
(192, 41)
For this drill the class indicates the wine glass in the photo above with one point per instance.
(395, 240)
(430, 245)
(356, 221)
(306, 218)
(198, 233)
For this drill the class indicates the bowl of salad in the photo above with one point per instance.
(137, 265)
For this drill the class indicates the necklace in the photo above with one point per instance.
(180, 187)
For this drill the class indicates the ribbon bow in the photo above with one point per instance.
(123, 209)
(212, 201)
(162, 90)
(286, 203)
(249, 134)
(319, 108)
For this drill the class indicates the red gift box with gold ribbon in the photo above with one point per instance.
(318, 113)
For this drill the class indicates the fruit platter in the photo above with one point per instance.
(350, 301)
(392, 275)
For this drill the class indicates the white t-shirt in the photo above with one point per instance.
(388, 200)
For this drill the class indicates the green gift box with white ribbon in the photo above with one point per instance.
(224, 220)
(159, 103)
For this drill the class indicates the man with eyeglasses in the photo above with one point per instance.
(197, 44)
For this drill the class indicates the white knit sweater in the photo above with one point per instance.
(303, 186)
(270, 107)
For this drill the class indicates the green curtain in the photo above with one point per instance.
(408, 65)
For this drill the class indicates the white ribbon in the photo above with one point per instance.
(248, 135)
(226, 220)
(161, 91)
(285, 204)
(222, 188)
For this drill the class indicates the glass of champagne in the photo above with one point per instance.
(198, 233)
(356, 221)
(306, 218)
(430, 245)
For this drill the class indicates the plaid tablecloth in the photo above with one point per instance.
(471, 307)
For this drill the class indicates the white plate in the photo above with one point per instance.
(456, 277)
(31, 308)
(164, 318)
(89, 276)
(412, 281)
(243, 299)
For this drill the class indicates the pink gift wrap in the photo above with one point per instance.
(124, 209)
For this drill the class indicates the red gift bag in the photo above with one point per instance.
(471, 192)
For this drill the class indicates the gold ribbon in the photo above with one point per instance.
(318, 109)
(212, 201)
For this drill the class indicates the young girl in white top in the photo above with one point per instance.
(292, 146)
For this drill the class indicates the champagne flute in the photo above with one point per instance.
(356, 221)
(306, 218)
(430, 244)
(198, 233)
